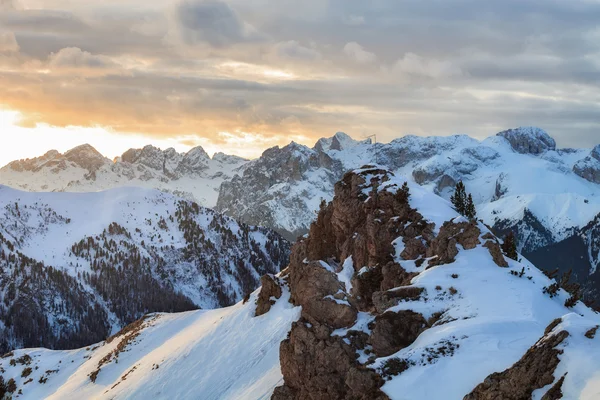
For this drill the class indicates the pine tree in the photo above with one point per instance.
(509, 247)
(459, 198)
(404, 192)
(470, 211)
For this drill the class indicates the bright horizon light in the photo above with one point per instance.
(21, 142)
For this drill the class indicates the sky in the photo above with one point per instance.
(240, 76)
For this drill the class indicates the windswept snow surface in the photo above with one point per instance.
(210, 355)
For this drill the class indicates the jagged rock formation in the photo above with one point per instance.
(193, 175)
(352, 273)
(74, 268)
(358, 228)
(303, 178)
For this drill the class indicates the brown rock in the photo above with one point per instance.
(316, 368)
(555, 392)
(394, 331)
(270, 288)
(364, 285)
(393, 275)
(533, 371)
(311, 284)
(390, 298)
(413, 249)
(496, 253)
(444, 245)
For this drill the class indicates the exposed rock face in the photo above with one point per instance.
(529, 140)
(443, 247)
(317, 290)
(533, 371)
(252, 197)
(318, 366)
(367, 214)
(394, 331)
(589, 167)
(269, 288)
(496, 253)
(315, 364)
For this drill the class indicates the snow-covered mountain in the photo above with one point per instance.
(193, 175)
(391, 295)
(519, 179)
(516, 175)
(75, 267)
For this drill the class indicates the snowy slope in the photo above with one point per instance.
(193, 175)
(483, 319)
(218, 354)
(122, 252)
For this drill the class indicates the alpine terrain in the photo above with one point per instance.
(77, 267)
(193, 175)
(390, 295)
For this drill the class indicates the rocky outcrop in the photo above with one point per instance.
(533, 371)
(529, 140)
(589, 167)
(321, 295)
(393, 331)
(368, 214)
(270, 290)
(317, 366)
(496, 253)
(444, 248)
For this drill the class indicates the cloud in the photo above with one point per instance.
(74, 57)
(8, 43)
(415, 65)
(202, 67)
(212, 22)
(359, 54)
(292, 49)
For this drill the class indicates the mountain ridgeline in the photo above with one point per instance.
(75, 268)
(391, 295)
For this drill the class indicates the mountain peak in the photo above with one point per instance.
(529, 140)
(340, 141)
(87, 157)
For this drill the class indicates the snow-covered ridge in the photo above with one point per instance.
(77, 266)
(480, 319)
(193, 175)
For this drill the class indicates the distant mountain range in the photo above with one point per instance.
(519, 179)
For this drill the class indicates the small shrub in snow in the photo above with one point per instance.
(393, 367)
(592, 332)
(11, 386)
(452, 290)
(26, 372)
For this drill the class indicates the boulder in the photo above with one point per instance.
(393, 331)
(270, 289)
